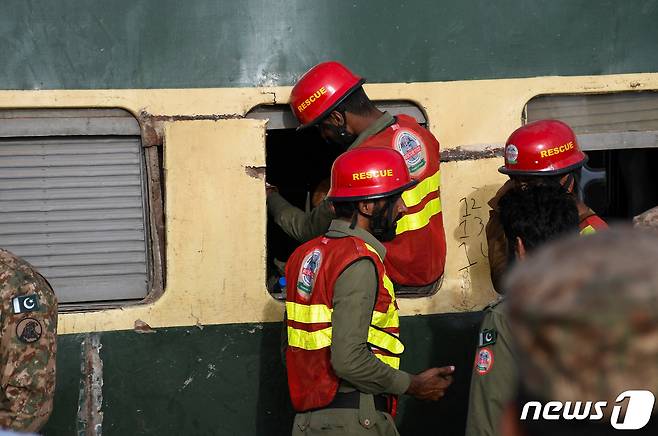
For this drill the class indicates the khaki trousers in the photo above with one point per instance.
(366, 421)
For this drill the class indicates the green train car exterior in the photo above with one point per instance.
(199, 352)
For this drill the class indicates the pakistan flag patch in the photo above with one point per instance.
(487, 337)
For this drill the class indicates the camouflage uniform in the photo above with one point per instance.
(28, 336)
(587, 330)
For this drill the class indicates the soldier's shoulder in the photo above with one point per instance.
(496, 305)
(19, 277)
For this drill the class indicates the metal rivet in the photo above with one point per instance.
(366, 422)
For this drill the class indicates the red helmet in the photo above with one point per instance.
(320, 90)
(368, 173)
(542, 148)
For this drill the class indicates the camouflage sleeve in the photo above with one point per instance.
(28, 342)
(298, 224)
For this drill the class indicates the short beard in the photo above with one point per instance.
(342, 137)
(383, 224)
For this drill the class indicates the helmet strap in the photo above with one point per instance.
(354, 218)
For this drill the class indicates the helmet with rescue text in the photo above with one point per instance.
(542, 148)
(320, 90)
(376, 176)
(367, 174)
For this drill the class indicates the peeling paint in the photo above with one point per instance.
(472, 152)
(255, 172)
(90, 401)
(142, 327)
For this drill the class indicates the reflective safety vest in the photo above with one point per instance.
(311, 273)
(591, 224)
(416, 257)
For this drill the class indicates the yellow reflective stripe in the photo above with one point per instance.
(386, 320)
(308, 314)
(385, 341)
(415, 195)
(420, 219)
(588, 230)
(389, 360)
(388, 285)
(369, 247)
(309, 340)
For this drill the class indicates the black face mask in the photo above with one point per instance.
(341, 136)
(383, 224)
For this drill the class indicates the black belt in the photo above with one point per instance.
(350, 400)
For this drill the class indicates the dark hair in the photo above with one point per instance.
(537, 213)
(344, 209)
(357, 103)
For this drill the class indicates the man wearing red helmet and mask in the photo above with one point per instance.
(544, 152)
(331, 98)
(343, 350)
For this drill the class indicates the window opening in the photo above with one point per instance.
(74, 202)
(619, 133)
(299, 165)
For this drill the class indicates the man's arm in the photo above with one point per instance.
(298, 224)
(28, 343)
(492, 388)
(354, 298)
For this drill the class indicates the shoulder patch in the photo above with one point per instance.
(412, 149)
(308, 273)
(484, 360)
(25, 303)
(487, 337)
(29, 330)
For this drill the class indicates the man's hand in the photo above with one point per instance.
(431, 384)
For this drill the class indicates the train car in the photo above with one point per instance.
(136, 138)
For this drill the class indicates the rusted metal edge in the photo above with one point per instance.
(152, 130)
(472, 153)
(90, 401)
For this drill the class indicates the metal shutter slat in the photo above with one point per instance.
(74, 208)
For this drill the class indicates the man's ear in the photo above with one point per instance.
(519, 249)
(336, 118)
(366, 207)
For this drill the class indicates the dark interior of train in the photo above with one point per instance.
(620, 184)
(297, 163)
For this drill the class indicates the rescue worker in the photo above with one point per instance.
(28, 343)
(544, 151)
(531, 215)
(331, 98)
(344, 350)
(587, 331)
